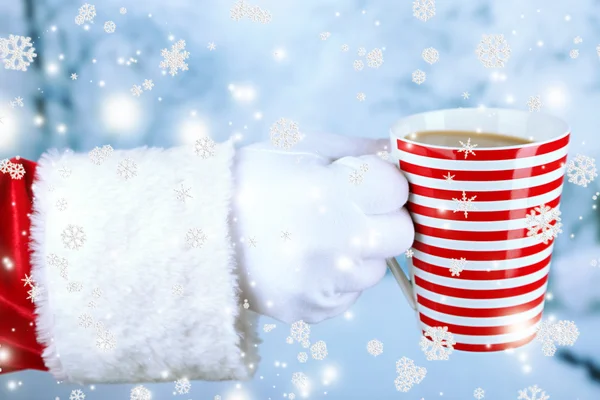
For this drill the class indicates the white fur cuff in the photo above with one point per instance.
(136, 268)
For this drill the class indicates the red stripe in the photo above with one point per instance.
(482, 155)
(482, 330)
(485, 255)
(479, 312)
(475, 236)
(497, 195)
(483, 275)
(483, 176)
(483, 216)
(480, 348)
(486, 294)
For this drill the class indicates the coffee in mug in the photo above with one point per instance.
(453, 138)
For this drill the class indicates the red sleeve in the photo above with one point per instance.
(19, 348)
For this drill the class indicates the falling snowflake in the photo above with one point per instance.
(211, 46)
(361, 52)
(127, 168)
(533, 391)
(123, 10)
(355, 178)
(269, 327)
(238, 11)
(594, 262)
(182, 386)
(430, 55)
(92, 304)
(457, 266)
(345, 47)
(384, 155)
(246, 305)
(285, 133)
(73, 237)
(217, 397)
(364, 167)
(17, 55)
(582, 170)
(358, 65)
(286, 235)
(361, 96)
(466, 95)
(493, 51)
(177, 289)
(548, 348)
(140, 393)
(319, 350)
(289, 340)
(375, 347)
(252, 241)
(408, 374)
(99, 155)
(464, 204)
(479, 393)
(175, 59)
(419, 77)
(105, 340)
(375, 58)
(34, 293)
(74, 77)
(534, 103)
(183, 193)
(539, 223)
(300, 380)
(574, 53)
(467, 148)
(565, 333)
(205, 147)
(77, 394)
(28, 281)
(577, 40)
(423, 9)
(300, 331)
(87, 12)
(305, 343)
(291, 396)
(409, 253)
(441, 344)
(73, 287)
(302, 357)
(148, 84)
(324, 35)
(109, 27)
(136, 90)
(85, 320)
(18, 101)
(257, 14)
(195, 238)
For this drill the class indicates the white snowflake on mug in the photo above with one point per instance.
(457, 266)
(440, 345)
(540, 223)
(408, 374)
(581, 170)
(464, 204)
(467, 148)
(531, 393)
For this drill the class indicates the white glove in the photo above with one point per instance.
(308, 240)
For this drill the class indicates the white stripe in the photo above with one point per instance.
(496, 284)
(503, 205)
(480, 322)
(477, 303)
(486, 265)
(477, 246)
(484, 186)
(479, 226)
(494, 339)
(471, 163)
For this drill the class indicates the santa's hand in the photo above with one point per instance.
(313, 225)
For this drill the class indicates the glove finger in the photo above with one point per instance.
(335, 146)
(360, 276)
(389, 235)
(376, 186)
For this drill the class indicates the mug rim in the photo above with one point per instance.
(566, 132)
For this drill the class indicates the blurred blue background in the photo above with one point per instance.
(259, 73)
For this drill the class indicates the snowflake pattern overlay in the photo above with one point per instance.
(440, 344)
(457, 266)
(205, 147)
(531, 393)
(423, 9)
(375, 347)
(543, 223)
(408, 374)
(581, 170)
(140, 393)
(17, 52)
(552, 333)
(174, 60)
(464, 204)
(319, 350)
(493, 51)
(285, 134)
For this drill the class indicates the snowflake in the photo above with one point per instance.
(77, 394)
(479, 393)
(269, 327)
(28, 281)
(594, 262)
(183, 193)
(419, 77)
(548, 348)
(300, 331)
(136, 90)
(364, 167)
(409, 253)
(305, 343)
(300, 380)
(384, 155)
(291, 396)
(534, 391)
(15, 54)
(140, 393)
(466, 95)
(61, 204)
(408, 374)
(105, 340)
(581, 170)
(441, 344)
(457, 266)
(109, 27)
(534, 103)
(177, 289)
(286, 235)
(302, 357)
(430, 55)
(358, 65)
(361, 96)
(65, 172)
(74, 287)
(598, 50)
(355, 177)
(127, 169)
(423, 9)
(217, 397)
(85, 320)
(123, 10)
(565, 333)
(285, 134)
(183, 386)
(87, 12)
(238, 11)
(97, 292)
(148, 84)
(19, 101)
(99, 155)
(319, 350)
(5, 166)
(574, 53)
(174, 59)
(467, 148)
(257, 14)
(493, 51)
(289, 340)
(73, 237)
(577, 40)
(324, 35)
(252, 241)
(205, 147)
(92, 304)
(375, 347)
(465, 204)
(345, 47)
(16, 171)
(55, 261)
(246, 305)
(449, 177)
(539, 223)
(34, 293)
(195, 238)
(375, 58)
(211, 46)
(361, 52)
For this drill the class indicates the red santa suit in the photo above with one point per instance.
(109, 274)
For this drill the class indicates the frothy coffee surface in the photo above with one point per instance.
(453, 138)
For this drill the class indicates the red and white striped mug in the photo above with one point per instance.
(482, 273)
